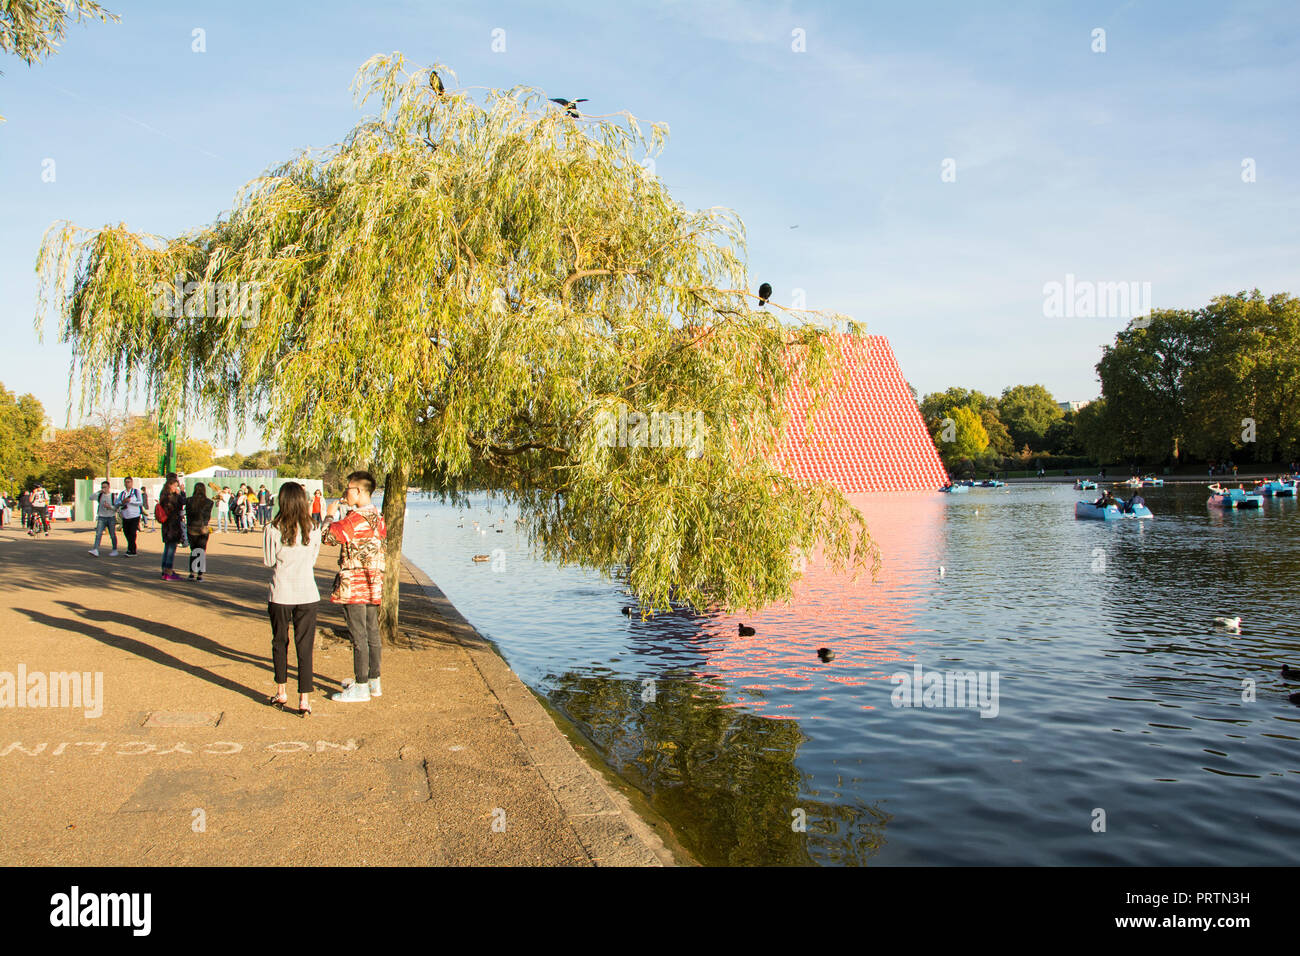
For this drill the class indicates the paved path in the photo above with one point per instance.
(456, 764)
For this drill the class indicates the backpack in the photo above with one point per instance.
(160, 513)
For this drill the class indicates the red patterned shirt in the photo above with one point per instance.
(361, 536)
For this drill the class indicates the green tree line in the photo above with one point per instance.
(1178, 387)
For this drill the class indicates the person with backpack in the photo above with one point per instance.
(105, 517)
(40, 510)
(198, 512)
(290, 546)
(263, 505)
(168, 514)
(130, 505)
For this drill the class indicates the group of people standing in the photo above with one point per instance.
(246, 509)
(291, 543)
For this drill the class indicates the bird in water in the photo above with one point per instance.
(942, 571)
(1295, 699)
(744, 630)
(629, 610)
(764, 293)
(826, 654)
(435, 81)
(482, 557)
(1290, 673)
(1229, 623)
(570, 106)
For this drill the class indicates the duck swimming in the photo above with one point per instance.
(1229, 623)
(1290, 673)
(744, 631)
(826, 654)
(482, 557)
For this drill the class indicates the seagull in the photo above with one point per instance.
(1229, 623)
(764, 293)
(942, 571)
(744, 630)
(435, 81)
(570, 106)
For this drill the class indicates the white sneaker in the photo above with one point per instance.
(113, 553)
(375, 689)
(94, 551)
(353, 693)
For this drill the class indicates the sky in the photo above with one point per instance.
(925, 168)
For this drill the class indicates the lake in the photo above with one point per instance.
(1118, 723)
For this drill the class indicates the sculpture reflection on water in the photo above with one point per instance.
(714, 745)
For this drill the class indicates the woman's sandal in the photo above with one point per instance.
(277, 701)
(304, 711)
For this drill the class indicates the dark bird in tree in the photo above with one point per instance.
(435, 81)
(570, 106)
(744, 630)
(764, 293)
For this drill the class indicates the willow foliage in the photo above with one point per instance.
(463, 295)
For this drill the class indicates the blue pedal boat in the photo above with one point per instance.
(955, 489)
(1276, 489)
(1235, 498)
(992, 483)
(1083, 484)
(1086, 509)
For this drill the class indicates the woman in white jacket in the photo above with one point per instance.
(290, 546)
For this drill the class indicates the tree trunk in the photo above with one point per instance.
(394, 520)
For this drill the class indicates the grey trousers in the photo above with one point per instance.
(363, 628)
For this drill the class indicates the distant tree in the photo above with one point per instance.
(1094, 432)
(1242, 392)
(193, 454)
(1143, 376)
(1000, 442)
(965, 437)
(1028, 411)
(21, 423)
(1060, 438)
(109, 439)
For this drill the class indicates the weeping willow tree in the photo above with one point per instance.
(470, 296)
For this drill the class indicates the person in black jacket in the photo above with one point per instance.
(173, 506)
(198, 512)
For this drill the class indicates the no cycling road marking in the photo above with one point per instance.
(143, 747)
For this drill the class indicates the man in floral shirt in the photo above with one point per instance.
(359, 585)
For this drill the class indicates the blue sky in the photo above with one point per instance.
(1117, 166)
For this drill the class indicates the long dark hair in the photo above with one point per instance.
(294, 514)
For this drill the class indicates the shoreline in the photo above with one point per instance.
(547, 744)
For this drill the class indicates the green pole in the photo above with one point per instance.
(167, 460)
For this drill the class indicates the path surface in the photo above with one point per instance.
(456, 764)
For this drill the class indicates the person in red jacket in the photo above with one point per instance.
(359, 585)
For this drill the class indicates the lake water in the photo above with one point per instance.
(1126, 730)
